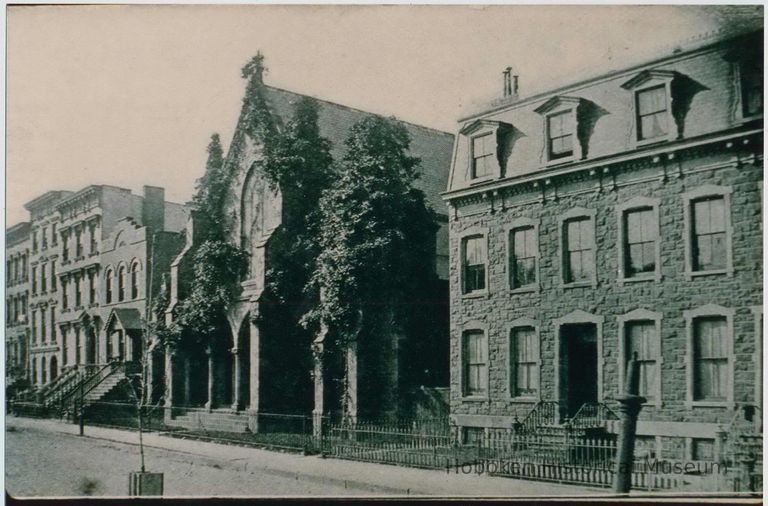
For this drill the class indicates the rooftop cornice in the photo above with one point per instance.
(46, 199)
(627, 157)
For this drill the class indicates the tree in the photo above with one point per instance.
(376, 238)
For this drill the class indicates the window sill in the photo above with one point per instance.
(640, 279)
(656, 140)
(474, 295)
(523, 400)
(710, 404)
(481, 180)
(715, 272)
(561, 161)
(579, 284)
(524, 289)
(475, 398)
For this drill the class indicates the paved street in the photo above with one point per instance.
(47, 458)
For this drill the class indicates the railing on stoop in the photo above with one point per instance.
(592, 415)
(542, 414)
(89, 378)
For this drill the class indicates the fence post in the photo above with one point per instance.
(81, 410)
(629, 408)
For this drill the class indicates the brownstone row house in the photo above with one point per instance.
(613, 216)
(16, 302)
(84, 262)
(255, 373)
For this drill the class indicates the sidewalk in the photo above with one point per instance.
(374, 478)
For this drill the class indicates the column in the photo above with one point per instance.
(317, 412)
(351, 393)
(211, 380)
(187, 383)
(253, 376)
(236, 381)
(169, 383)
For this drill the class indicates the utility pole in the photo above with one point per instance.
(630, 404)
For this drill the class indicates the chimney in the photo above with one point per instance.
(153, 208)
(510, 83)
(507, 81)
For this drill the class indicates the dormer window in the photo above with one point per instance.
(652, 113)
(652, 101)
(560, 133)
(483, 154)
(486, 141)
(752, 88)
(561, 122)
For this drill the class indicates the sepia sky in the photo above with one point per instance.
(129, 95)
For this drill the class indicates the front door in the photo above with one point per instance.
(579, 367)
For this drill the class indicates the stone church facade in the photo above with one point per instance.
(255, 372)
(613, 216)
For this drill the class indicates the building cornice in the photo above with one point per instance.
(544, 173)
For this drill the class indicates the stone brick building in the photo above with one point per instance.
(44, 362)
(252, 375)
(105, 231)
(89, 255)
(616, 215)
(16, 302)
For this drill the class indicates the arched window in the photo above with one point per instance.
(121, 283)
(108, 280)
(135, 280)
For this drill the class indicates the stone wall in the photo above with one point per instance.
(671, 295)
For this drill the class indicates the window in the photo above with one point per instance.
(524, 362)
(708, 242)
(121, 284)
(8, 273)
(43, 279)
(44, 235)
(522, 262)
(560, 130)
(474, 256)
(78, 242)
(77, 344)
(53, 324)
(709, 356)
(703, 449)
(643, 340)
(709, 234)
(752, 87)
(710, 372)
(92, 288)
(54, 235)
(135, 280)
(94, 238)
(579, 258)
(475, 365)
(34, 280)
(652, 115)
(483, 153)
(43, 330)
(34, 326)
(34, 241)
(640, 232)
(108, 290)
(64, 295)
(65, 246)
(64, 350)
(53, 275)
(78, 291)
